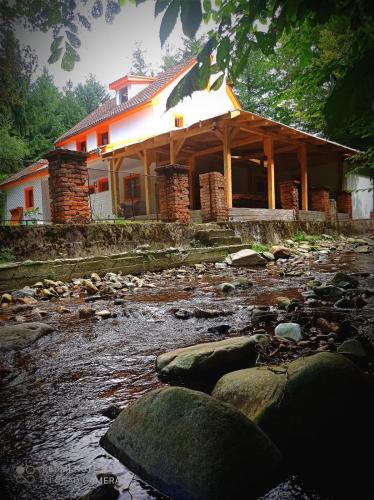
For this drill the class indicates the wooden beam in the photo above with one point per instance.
(227, 164)
(147, 160)
(172, 152)
(302, 154)
(192, 165)
(114, 183)
(217, 149)
(269, 153)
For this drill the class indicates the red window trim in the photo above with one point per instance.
(79, 145)
(99, 137)
(100, 182)
(26, 194)
(125, 180)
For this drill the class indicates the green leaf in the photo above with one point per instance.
(223, 53)
(160, 6)
(203, 74)
(67, 63)
(207, 49)
(191, 17)
(55, 56)
(218, 82)
(56, 43)
(169, 20)
(72, 27)
(73, 39)
(187, 85)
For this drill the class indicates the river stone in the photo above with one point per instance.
(191, 446)
(245, 257)
(226, 287)
(260, 316)
(283, 302)
(268, 255)
(200, 366)
(21, 335)
(316, 409)
(352, 348)
(345, 278)
(102, 492)
(291, 331)
(280, 252)
(329, 291)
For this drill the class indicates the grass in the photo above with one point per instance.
(259, 247)
(6, 255)
(309, 238)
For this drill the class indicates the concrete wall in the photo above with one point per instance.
(362, 190)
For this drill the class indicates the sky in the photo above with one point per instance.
(106, 50)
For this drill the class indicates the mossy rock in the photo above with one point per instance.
(191, 446)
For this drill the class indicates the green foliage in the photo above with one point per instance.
(139, 66)
(6, 255)
(301, 236)
(90, 94)
(259, 247)
(191, 47)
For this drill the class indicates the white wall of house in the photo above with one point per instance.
(361, 187)
(15, 197)
(136, 127)
(91, 141)
(101, 203)
(72, 145)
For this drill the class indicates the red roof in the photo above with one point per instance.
(110, 108)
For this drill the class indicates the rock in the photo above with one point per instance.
(353, 349)
(24, 292)
(220, 265)
(283, 302)
(220, 329)
(102, 492)
(190, 446)
(268, 256)
(280, 252)
(95, 277)
(309, 408)
(343, 303)
(362, 249)
(111, 412)
(291, 331)
(200, 366)
(62, 310)
(42, 313)
(86, 312)
(261, 338)
(328, 291)
(242, 282)
(226, 287)
(245, 257)
(21, 308)
(210, 313)
(90, 287)
(21, 335)
(47, 294)
(346, 278)
(6, 297)
(49, 283)
(260, 316)
(93, 298)
(104, 314)
(183, 314)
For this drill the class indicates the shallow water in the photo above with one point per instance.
(51, 403)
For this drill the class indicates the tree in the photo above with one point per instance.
(90, 94)
(138, 63)
(191, 47)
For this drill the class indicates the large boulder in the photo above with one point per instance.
(200, 366)
(316, 410)
(191, 446)
(245, 257)
(20, 335)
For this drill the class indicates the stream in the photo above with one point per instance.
(52, 402)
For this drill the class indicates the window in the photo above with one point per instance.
(103, 139)
(123, 95)
(102, 184)
(82, 146)
(179, 121)
(131, 184)
(29, 197)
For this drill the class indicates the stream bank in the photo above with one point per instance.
(56, 391)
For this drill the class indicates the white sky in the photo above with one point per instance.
(106, 50)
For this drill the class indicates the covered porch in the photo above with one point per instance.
(258, 158)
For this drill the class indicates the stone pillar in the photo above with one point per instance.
(321, 201)
(289, 195)
(173, 193)
(344, 203)
(212, 197)
(68, 189)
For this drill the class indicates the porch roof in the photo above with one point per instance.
(247, 132)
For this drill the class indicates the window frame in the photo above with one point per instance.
(79, 146)
(100, 138)
(128, 178)
(178, 117)
(27, 191)
(100, 182)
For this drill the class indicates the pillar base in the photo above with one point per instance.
(173, 193)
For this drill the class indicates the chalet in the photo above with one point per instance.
(258, 167)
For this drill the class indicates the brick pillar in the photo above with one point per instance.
(344, 203)
(68, 189)
(289, 195)
(321, 201)
(173, 193)
(212, 197)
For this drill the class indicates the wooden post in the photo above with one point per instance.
(172, 152)
(114, 184)
(227, 165)
(302, 156)
(269, 153)
(192, 163)
(147, 181)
